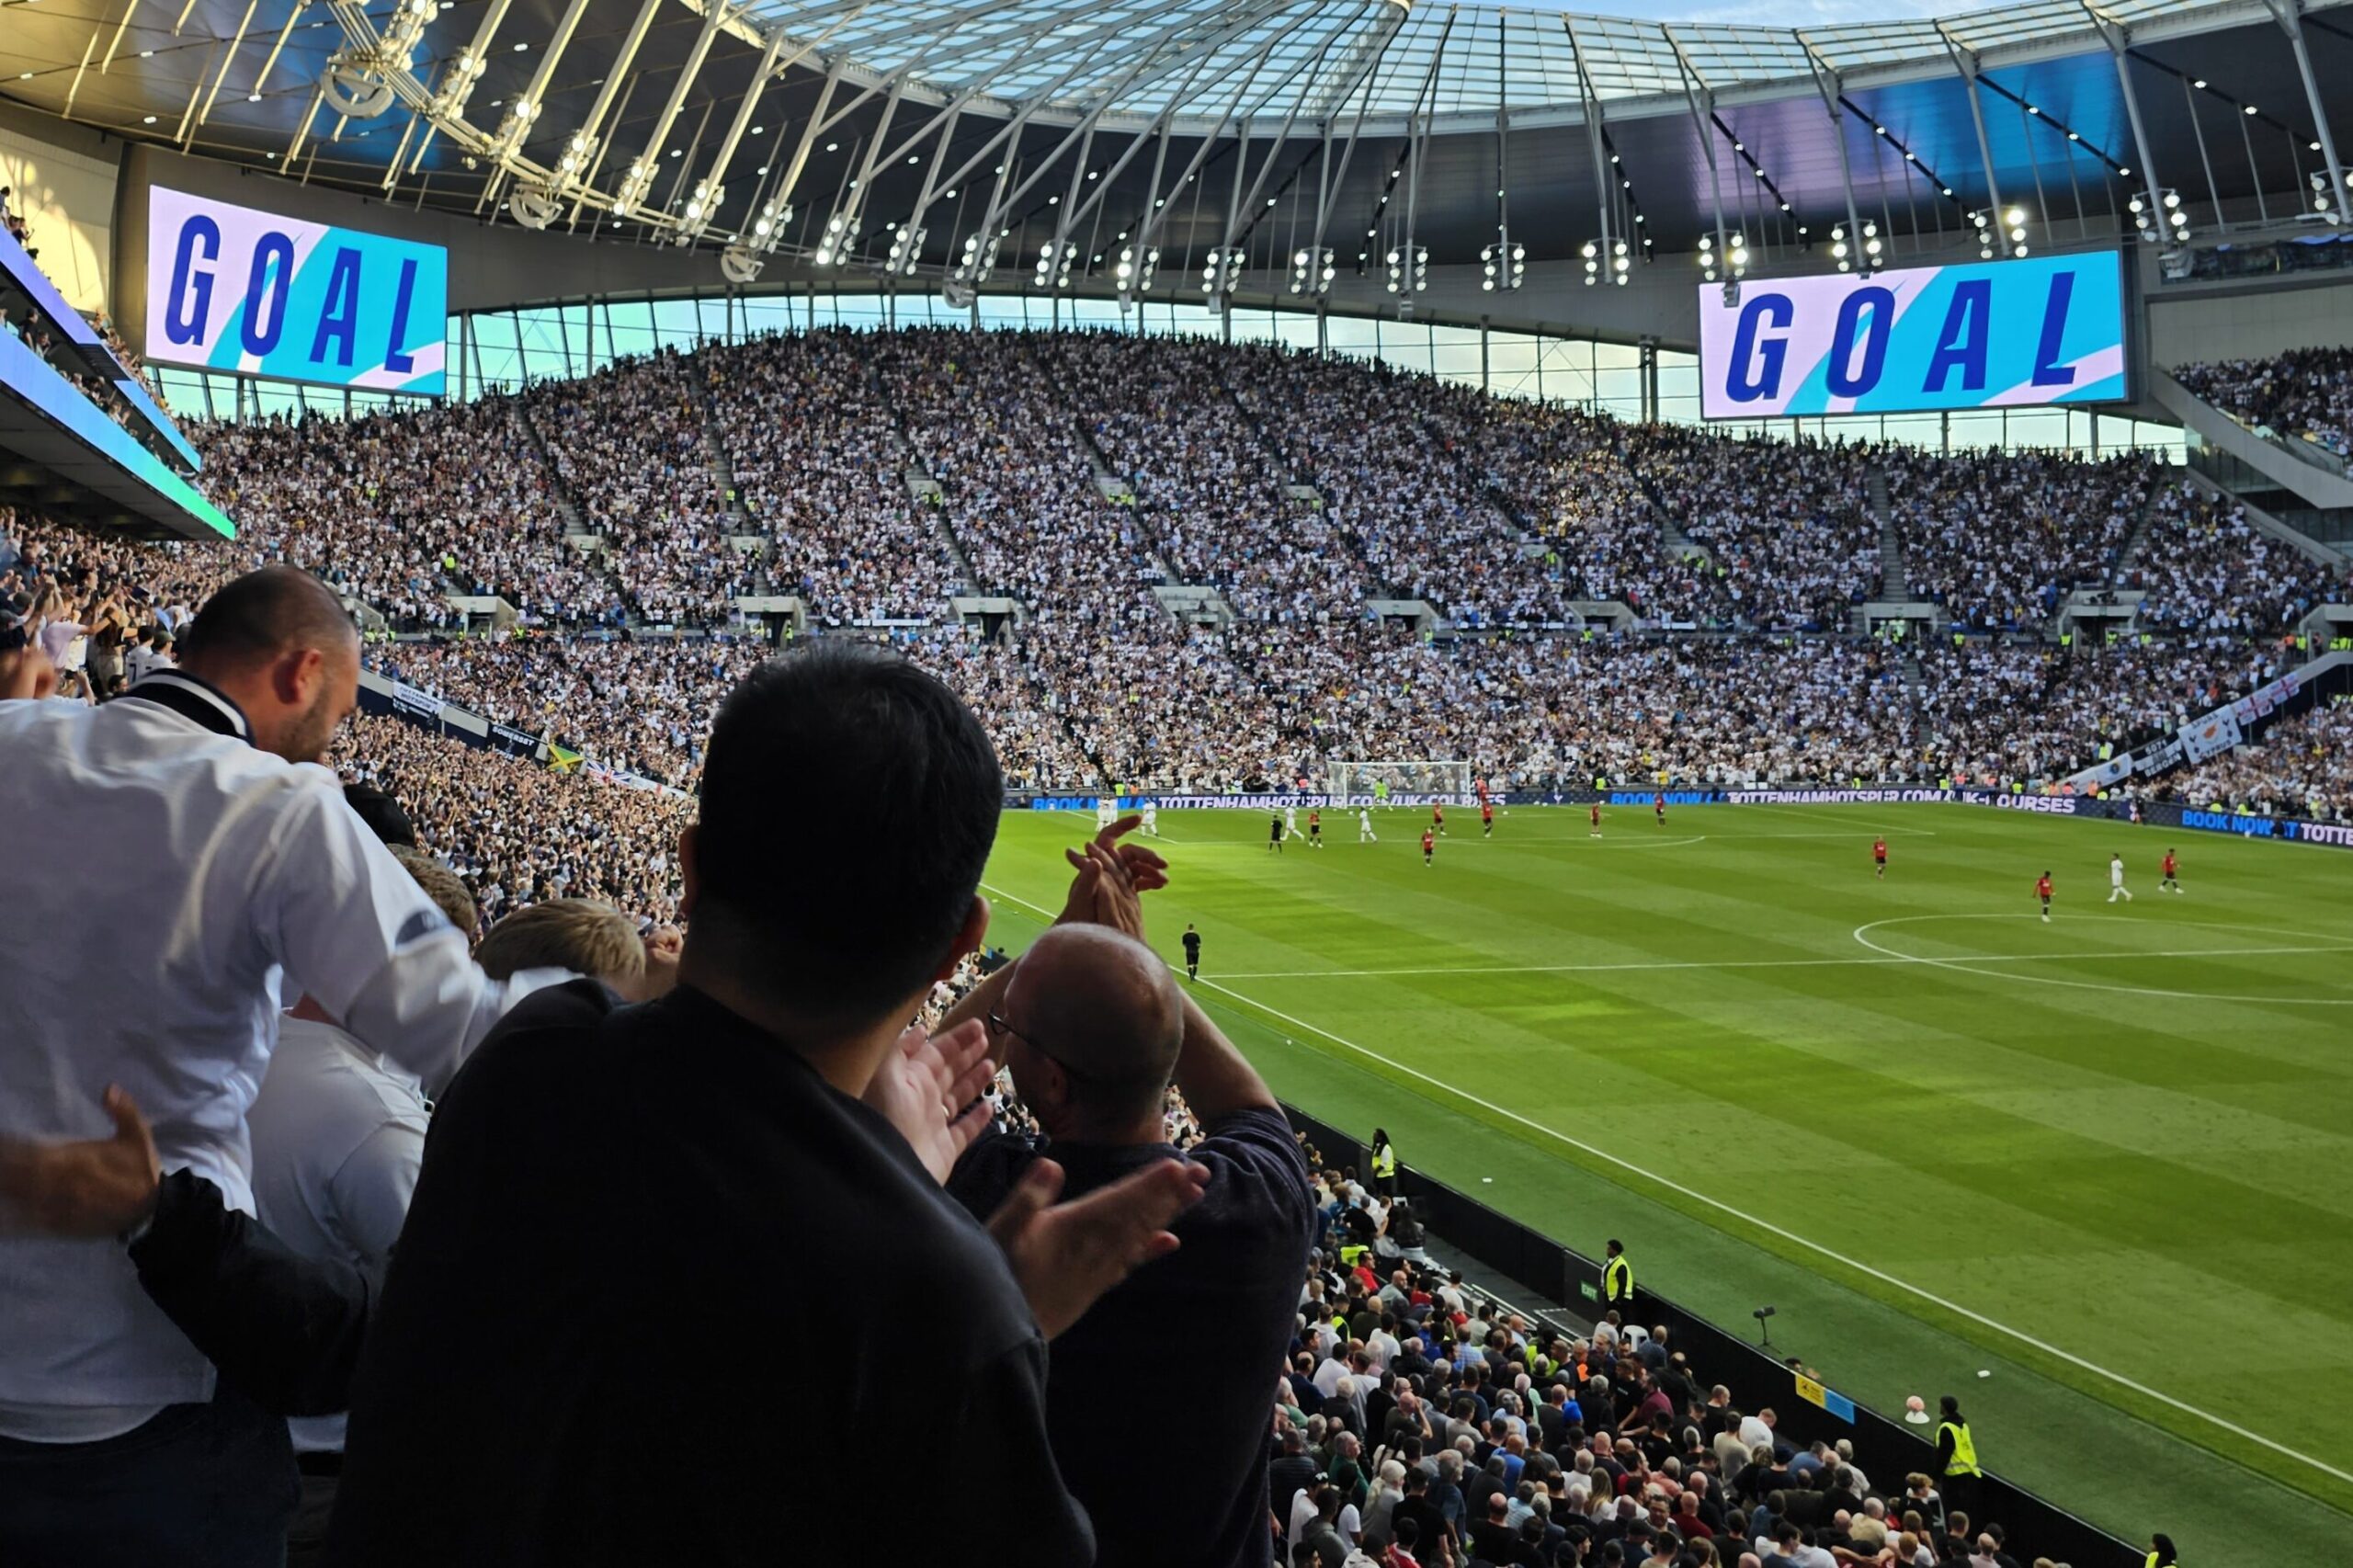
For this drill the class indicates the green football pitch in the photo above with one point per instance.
(2092, 1176)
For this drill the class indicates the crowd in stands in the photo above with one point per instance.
(640, 706)
(627, 448)
(1422, 1422)
(2206, 569)
(821, 467)
(2000, 538)
(1788, 523)
(519, 834)
(2298, 766)
(2304, 393)
(1999, 711)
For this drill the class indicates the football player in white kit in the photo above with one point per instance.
(1364, 827)
(2115, 888)
(1152, 818)
(1291, 823)
(1107, 812)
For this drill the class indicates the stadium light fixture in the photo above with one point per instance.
(2324, 196)
(1838, 248)
(1220, 271)
(1409, 269)
(907, 250)
(979, 258)
(1592, 255)
(1311, 270)
(1503, 264)
(1054, 260)
(2014, 224)
(2160, 218)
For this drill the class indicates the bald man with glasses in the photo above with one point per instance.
(1095, 1028)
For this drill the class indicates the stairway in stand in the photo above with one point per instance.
(1895, 581)
(921, 482)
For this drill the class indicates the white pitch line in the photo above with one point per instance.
(1777, 963)
(2118, 1379)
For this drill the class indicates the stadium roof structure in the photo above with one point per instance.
(1040, 142)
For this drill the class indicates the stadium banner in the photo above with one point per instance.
(233, 288)
(1993, 334)
(1256, 802)
(2260, 702)
(2216, 732)
(1884, 795)
(516, 742)
(422, 703)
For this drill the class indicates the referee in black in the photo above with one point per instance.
(1192, 954)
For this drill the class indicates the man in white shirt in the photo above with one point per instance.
(196, 795)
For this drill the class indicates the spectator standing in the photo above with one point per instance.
(578, 1325)
(1618, 1282)
(1095, 1028)
(193, 796)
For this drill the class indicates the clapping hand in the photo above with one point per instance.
(1066, 1256)
(930, 1088)
(1112, 878)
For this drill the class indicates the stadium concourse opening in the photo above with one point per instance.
(1399, 705)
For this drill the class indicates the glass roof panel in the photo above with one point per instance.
(1379, 53)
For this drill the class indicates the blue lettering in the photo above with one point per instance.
(180, 324)
(339, 316)
(1844, 380)
(396, 356)
(1961, 343)
(2048, 371)
(265, 289)
(1741, 387)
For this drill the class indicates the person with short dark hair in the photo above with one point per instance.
(577, 1360)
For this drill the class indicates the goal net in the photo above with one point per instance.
(1404, 781)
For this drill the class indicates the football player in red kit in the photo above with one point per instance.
(1486, 819)
(1438, 816)
(1429, 845)
(2042, 891)
(1594, 816)
(1878, 858)
(2171, 866)
(1658, 807)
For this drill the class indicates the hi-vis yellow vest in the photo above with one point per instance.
(1617, 1279)
(1964, 1450)
(1384, 1162)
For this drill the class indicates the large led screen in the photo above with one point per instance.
(1993, 334)
(231, 287)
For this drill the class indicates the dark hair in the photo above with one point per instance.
(841, 929)
(263, 613)
(2163, 1546)
(381, 814)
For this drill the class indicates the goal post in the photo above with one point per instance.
(1410, 780)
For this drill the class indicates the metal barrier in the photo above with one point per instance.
(1805, 1412)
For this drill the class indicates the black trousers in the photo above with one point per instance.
(199, 1486)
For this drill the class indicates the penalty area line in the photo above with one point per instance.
(2069, 1356)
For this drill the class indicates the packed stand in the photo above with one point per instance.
(2305, 393)
(1209, 489)
(1034, 744)
(516, 833)
(402, 508)
(1788, 523)
(2300, 766)
(1020, 491)
(1422, 1422)
(638, 706)
(2016, 711)
(1386, 451)
(628, 445)
(2206, 569)
(1562, 470)
(820, 467)
(1999, 538)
